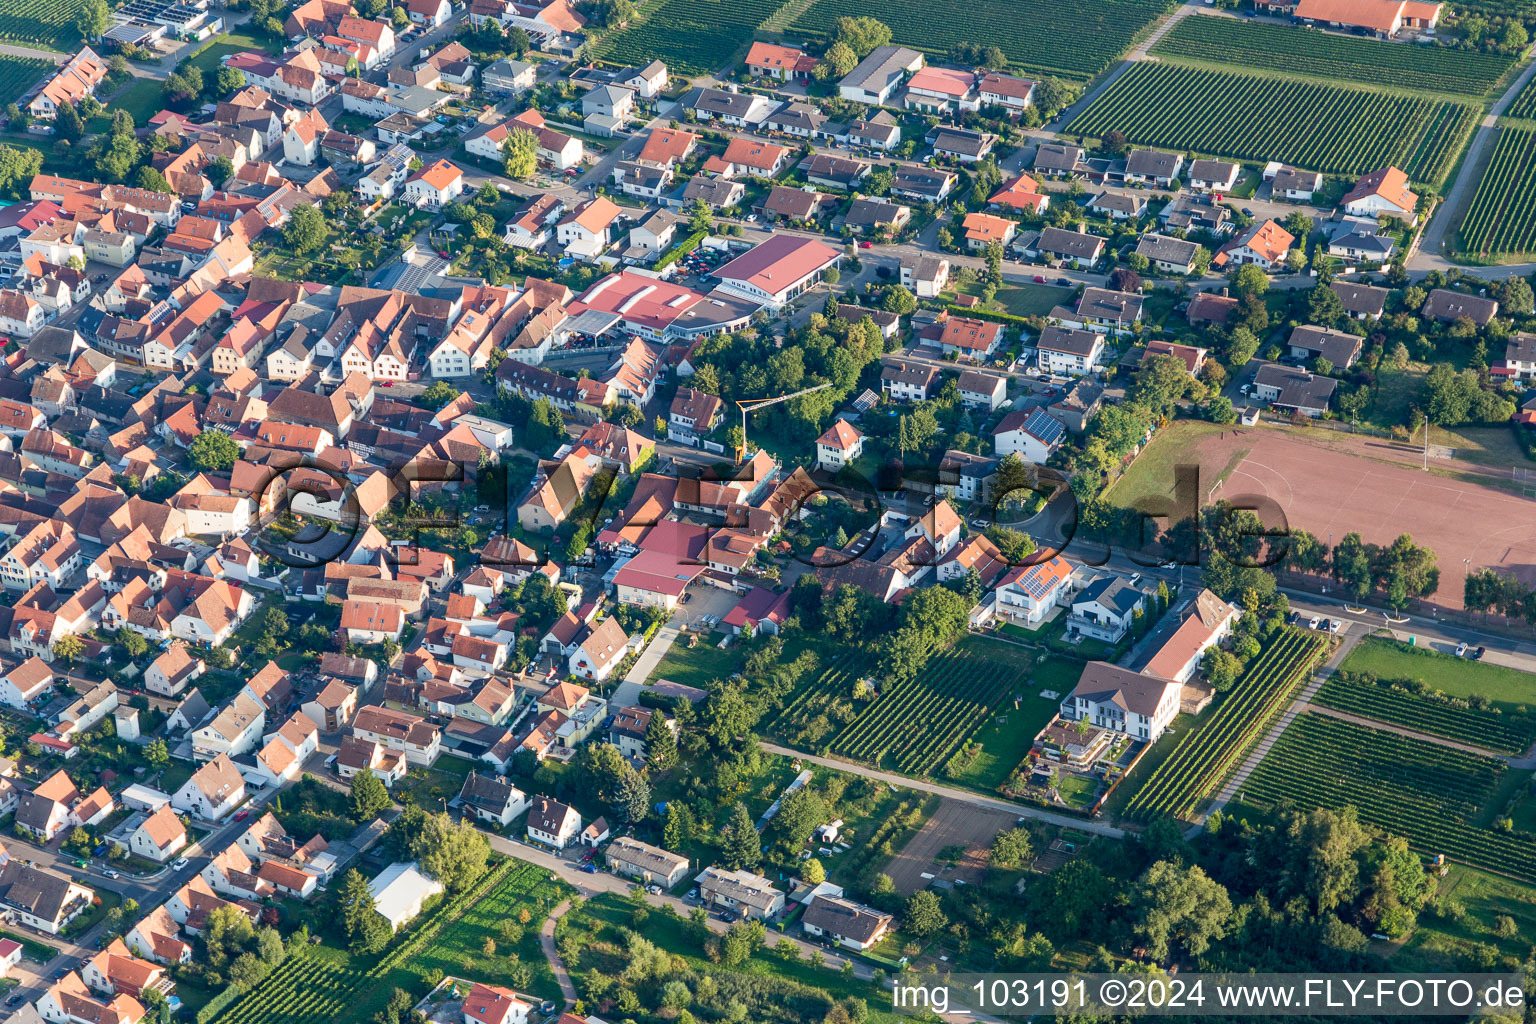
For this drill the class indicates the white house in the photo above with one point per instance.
(25, 683)
(552, 823)
(233, 731)
(1117, 699)
(1032, 434)
(158, 836)
(839, 445)
(213, 791)
(489, 798)
(1028, 593)
(434, 186)
(1205, 621)
(1073, 353)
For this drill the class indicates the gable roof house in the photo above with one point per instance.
(1122, 701)
(213, 791)
(1383, 192)
(1202, 624)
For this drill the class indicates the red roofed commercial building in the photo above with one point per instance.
(1383, 191)
(659, 310)
(778, 269)
(782, 62)
(760, 610)
(671, 557)
(1382, 18)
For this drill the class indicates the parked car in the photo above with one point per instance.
(1461, 649)
(110, 872)
(242, 815)
(1477, 655)
(1135, 578)
(1314, 622)
(1335, 626)
(866, 245)
(590, 869)
(178, 863)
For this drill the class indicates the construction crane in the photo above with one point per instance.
(754, 404)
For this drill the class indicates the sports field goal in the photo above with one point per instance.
(1525, 480)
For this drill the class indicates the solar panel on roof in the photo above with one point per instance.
(1044, 427)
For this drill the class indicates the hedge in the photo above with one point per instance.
(995, 316)
(680, 250)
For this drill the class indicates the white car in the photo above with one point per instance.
(1313, 624)
(1135, 578)
(1461, 649)
(1335, 626)
(178, 863)
(1245, 389)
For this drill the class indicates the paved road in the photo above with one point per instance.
(950, 793)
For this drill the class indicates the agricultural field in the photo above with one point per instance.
(1502, 218)
(1431, 795)
(323, 984)
(1239, 718)
(1308, 53)
(1335, 129)
(1524, 104)
(1032, 41)
(914, 727)
(693, 37)
(49, 24)
(18, 74)
(1378, 699)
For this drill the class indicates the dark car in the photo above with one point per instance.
(15, 998)
(1065, 282)
(1477, 655)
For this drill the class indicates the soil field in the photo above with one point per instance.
(1352, 483)
(955, 824)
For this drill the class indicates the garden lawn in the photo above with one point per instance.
(698, 665)
(1456, 677)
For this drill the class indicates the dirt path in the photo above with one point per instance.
(1422, 737)
(547, 943)
(965, 796)
(1302, 703)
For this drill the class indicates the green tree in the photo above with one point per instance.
(368, 797)
(213, 451)
(152, 180)
(156, 754)
(68, 648)
(1012, 848)
(67, 124)
(132, 643)
(220, 169)
(660, 743)
(1181, 906)
(741, 846)
(924, 916)
(520, 154)
(230, 80)
(899, 300)
(306, 230)
(861, 34)
(94, 19)
(438, 394)
(839, 60)
(366, 929)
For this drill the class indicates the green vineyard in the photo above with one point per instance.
(1502, 218)
(49, 24)
(1428, 794)
(325, 985)
(18, 74)
(692, 37)
(1032, 38)
(1491, 730)
(1202, 759)
(1524, 104)
(912, 727)
(1330, 128)
(1308, 53)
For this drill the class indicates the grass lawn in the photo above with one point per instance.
(1442, 943)
(1006, 737)
(698, 665)
(1456, 677)
(98, 910)
(1019, 299)
(1152, 474)
(427, 787)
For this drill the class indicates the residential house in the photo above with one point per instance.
(1119, 700)
(552, 823)
(739, 892)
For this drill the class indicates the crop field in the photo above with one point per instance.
(693, 37)
(326, 985)
(18, 74)
(915, 726)
(1308, 53)
(1335, 129)
(49, 24)
(1378, 699)
(1524, 104)
(1031, 35)
(1241, 715)
(1429, 794)
(1502, 218)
